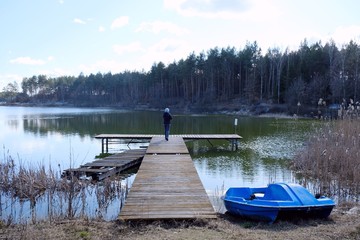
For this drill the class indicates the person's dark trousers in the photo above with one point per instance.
(167, 131)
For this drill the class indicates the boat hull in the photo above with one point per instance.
(252, 212)
(305, 212)
(278, 201)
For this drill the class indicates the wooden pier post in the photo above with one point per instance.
(106, 140)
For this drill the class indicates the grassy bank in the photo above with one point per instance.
(344, 223)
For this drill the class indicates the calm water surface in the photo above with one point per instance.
(64, 137)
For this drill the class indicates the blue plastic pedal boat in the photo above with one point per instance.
(278, 200)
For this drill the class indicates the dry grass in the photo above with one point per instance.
(331, 160)
(344, 223)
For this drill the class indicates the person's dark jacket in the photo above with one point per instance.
(167, 117)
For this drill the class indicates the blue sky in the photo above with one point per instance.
(67, 37)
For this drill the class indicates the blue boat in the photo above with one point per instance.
(278, 200)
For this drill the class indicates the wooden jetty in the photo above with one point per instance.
(108, 166)
(106, 138)
(114, 164)
(167, 185)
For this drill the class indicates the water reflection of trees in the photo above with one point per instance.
(13, 123)
(90, 124)
(123, 122)
(245, 163)
(150, 122)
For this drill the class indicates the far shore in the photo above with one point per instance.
(256, 110)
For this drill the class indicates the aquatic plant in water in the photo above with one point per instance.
(36, 193)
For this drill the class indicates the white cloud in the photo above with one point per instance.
(167, 50)
(132, 47)
(340, 35)
(9, 78)
(27, 61)
(56, 72)
(61, 1)
(208, 6)
(120, 22)
(101, 29)
(159, 26)
(343, 35)
(79, 21)
(105, 66)
(224, 9)
(173, 4)
(166, 45)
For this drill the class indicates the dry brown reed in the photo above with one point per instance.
(331, 161)
(66, 198)
(106, 191)
(216, 200)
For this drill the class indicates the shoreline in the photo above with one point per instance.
(343, 223)
(246, 111)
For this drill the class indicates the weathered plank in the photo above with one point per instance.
(175, 145)
(106, 167)
(167, 185)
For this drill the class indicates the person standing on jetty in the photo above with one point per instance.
(167, 119)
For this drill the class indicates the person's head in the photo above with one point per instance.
(167, 110)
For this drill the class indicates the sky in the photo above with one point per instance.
(68, 37)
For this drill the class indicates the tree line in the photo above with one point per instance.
(247, 75)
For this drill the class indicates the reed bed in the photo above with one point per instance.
(39, 193)
(330, 162)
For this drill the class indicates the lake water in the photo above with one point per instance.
(64, 137)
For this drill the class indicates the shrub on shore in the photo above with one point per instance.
(330, 162)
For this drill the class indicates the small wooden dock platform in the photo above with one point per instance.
(114, 164)
(167, 185)
(105, 138)
(108, 166)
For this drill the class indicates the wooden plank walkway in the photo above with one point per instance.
(158, 145)
(167, 185)
(108, 166)
(234, 138)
